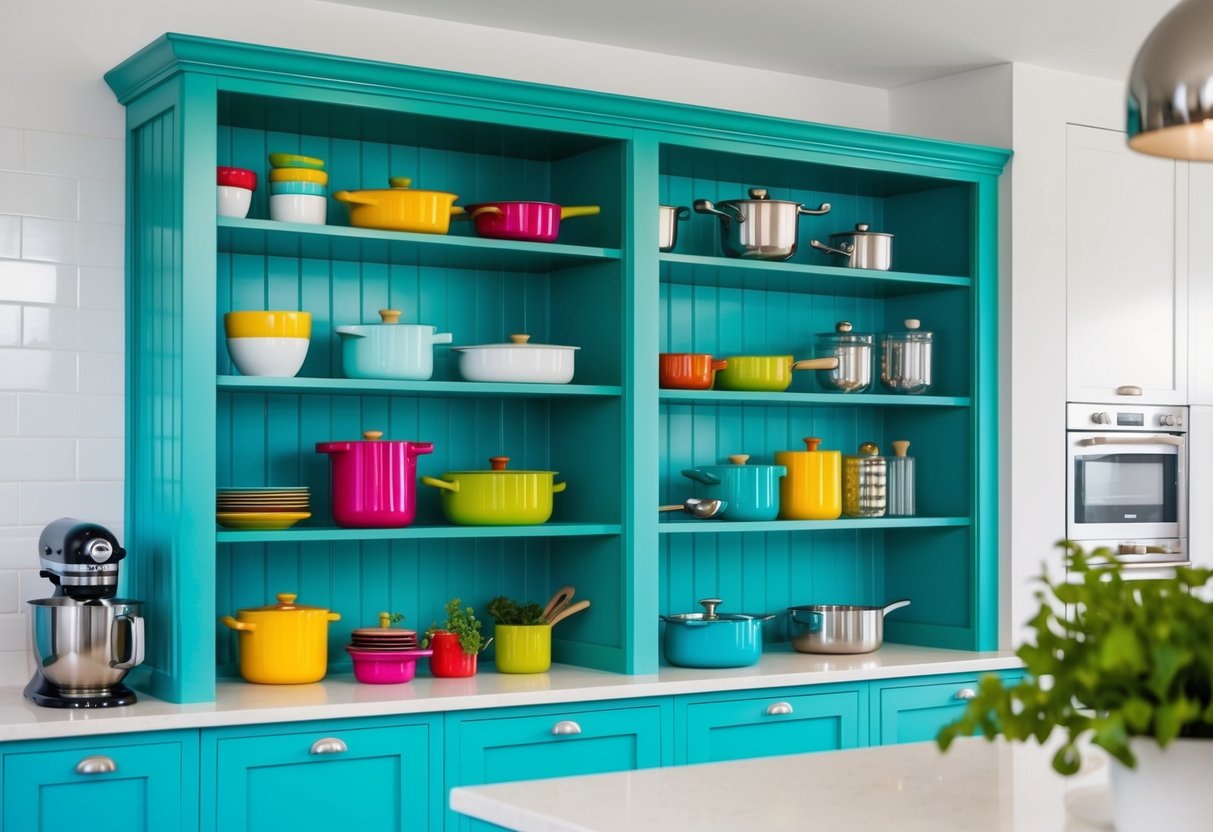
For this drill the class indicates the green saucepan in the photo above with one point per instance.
(497, 497)
(766, 373)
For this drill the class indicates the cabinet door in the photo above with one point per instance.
(790, 721)
(914, 710)
(1126, 271)
(1200, 284)
(1200, 485)
(140, 782)
(326, 776)
(532, 743)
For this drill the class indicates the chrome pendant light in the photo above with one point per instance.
(1170, 95)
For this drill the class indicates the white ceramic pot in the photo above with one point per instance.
(517, 361)
(299, 208)
(233, 201)
(1166, 789)
(282, 357)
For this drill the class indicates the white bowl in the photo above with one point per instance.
(304, 208)
(234, 202)
(268, 356)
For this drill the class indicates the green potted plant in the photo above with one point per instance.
(524, 638)
(1128, 665)
(456, 643)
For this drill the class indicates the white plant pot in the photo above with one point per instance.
(1166, 792)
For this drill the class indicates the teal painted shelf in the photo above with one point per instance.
(691, 526)
(833, 399)
(367, 245)
(380, 387)
(801, 278)
(311, 534)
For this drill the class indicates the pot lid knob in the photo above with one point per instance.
(399, 181)
(372, 435)
(709, 605)
(900, 446)
(843, 326)
(913, 323)
(520, 338)
(759, 193)
(812, 442)
(869, 449)
(738, 459)
(286, 600)
(390, 316)
(499, 462)
(385, 620)
(862, 226)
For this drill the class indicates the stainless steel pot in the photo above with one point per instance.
(905, 359)
(860, 249)
(667, 230)
(839, 628)
(759, 227)
(853, 353)
(85, 647)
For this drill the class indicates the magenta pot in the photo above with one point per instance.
(374, 482)
(537, 222)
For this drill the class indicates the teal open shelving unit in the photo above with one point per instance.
(194, 424)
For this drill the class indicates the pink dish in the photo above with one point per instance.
(393, 667)
(374, 481)
(534, 221)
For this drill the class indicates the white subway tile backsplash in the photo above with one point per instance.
(10, 237)
(102, 330)
(47, 415)
(38, 459)
(10, 325)
(102, 287)
(35, 195)
(12, 155)
(100, 459)
(54, 241)
(101, 244)
(9, 496)
(26, 282)
(31, 585)
(101, 373)
(67, 154)
(37, 370)
(102, 417)
(9, 419)
(51, 327)
(20, 552)
(102, 201)
(99, 502)
(13, 631)
(10, 599)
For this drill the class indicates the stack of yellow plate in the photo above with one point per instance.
(261, 508)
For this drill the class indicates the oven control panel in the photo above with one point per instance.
(1117, 417)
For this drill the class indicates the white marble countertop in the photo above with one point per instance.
(339, 697)
(976, 786)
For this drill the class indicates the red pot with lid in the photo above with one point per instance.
(374, 483)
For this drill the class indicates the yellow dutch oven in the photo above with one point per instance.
(497, 497)
(400, 208)
(812, 489)
(284, 643)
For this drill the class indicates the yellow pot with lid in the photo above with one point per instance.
(812, 489)
(401, 208)
(284, 643)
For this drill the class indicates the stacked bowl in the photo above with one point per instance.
(384, 656)
(298, 189)
(235, 191)
(269, 343)
(261, 508)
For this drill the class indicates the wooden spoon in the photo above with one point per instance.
(558, 602)
(571, 609)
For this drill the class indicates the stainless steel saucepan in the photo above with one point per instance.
(759, 228)
(839, 628)
(862, 248)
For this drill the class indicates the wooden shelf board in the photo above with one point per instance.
(312, 534)
(691, 526)
(385, 387)
(728, 397)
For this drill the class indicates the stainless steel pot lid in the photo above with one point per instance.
(713, 617)
(760, 195)
(910, 333)
(517, 341)
(842, 334)
(862, 229)
(887, 608)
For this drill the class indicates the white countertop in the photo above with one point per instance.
(976, 787)
(339, 697)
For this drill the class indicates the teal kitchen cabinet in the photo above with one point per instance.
(112, 784)
(496, 746)
(735, 725)
(382, 774)
(915, 708)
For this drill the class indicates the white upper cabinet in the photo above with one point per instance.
(1126, 272)
(1200, 284)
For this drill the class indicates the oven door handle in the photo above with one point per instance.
(1156, 564)
(1178, 441)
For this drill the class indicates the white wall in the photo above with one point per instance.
(61, 210)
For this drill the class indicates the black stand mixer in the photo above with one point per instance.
(85, 640)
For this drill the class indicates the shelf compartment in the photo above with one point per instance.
(334, 534)
(729, 397)
(692, 526)
(367, 245)
(798, 278)
(385, 387)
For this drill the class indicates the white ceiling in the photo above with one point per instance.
(881, 43)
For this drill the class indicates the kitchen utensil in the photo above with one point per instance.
(852, 356)
(260, 520)
(294, 160)
(765, 373)
(812, 489)
(537, 222)
(389, 349)
(236, 178)
(276, 357)
(864, 480)
(905, 359)
(374, 481)
(901, 480)
(392, 667)
(759, 227)
(316, 177)
(308, 188)
(703, 509)
(712, 639)
(751, 491)
(859, 249)
(517, 361)
(569, 609)
(273, 323)
(523, 648)
(839, 628)
(668, 217)
(401, 208)
(284, 643)
(559, 600)
(497, 497)
(688, 370)
(232, 201)
(300, 208)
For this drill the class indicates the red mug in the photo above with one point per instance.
(688, 370)
(448, 660)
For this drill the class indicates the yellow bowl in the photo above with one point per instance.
(274, 323)
(260, 520)
(299, 175)
(294, 160)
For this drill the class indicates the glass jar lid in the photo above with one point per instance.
(842, 334)
(910, 333)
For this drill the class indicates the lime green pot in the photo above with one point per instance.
(497, 497)
(765, 373)
(523, 648)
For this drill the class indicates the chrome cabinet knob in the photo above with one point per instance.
(328, 745)
(565, 728)
(779, 709)
(97, 764)
(965, 694)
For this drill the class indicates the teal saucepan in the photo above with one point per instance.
(751, 491)
(390, 349)
(712, 639)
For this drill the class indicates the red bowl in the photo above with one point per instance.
(237, 178)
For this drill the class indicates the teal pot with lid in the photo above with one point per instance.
(751, 491)
(712, 639)
(390, 349)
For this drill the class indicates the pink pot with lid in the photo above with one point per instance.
(374, 481)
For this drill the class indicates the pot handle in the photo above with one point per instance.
(844, 250)
(558, 487)
(701, 476)
(332, 447)
(719, 364)
(333, 616)
(823, 208)
(896, 605)
(705, 206)
(830, 363)
(434, 482)
(681, 213)
(457, 211)
(578, 211)
(353, 199)
(443, 337)
(134, 642)
(243, 626)
(419, 448)
(351, 331)
(486, 209)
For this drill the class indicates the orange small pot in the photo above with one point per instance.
(448, 660)
(688, 370)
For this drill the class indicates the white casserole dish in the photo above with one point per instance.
(517, 361)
